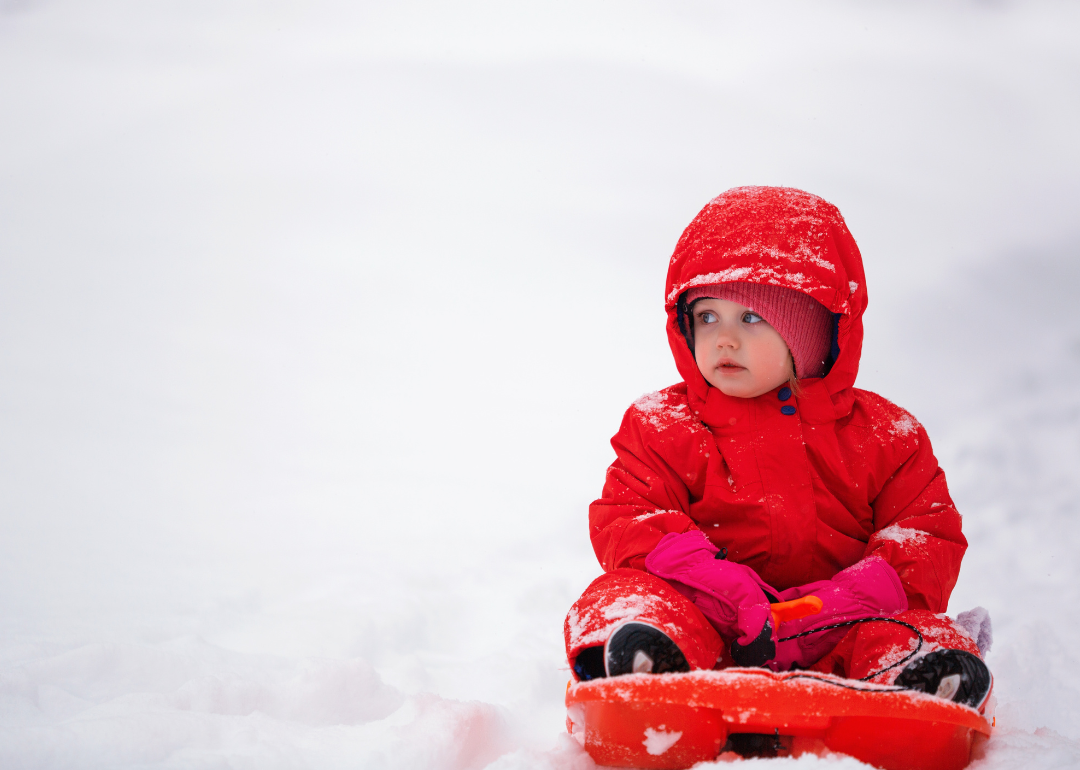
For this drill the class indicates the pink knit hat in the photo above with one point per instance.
(803, 322)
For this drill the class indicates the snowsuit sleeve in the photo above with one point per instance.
(643, 499)
(917, 526)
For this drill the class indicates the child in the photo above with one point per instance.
(766, 476)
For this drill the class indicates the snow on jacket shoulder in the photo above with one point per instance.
(798, 497)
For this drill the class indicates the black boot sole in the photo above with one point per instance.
(927, 674)
(640, 646)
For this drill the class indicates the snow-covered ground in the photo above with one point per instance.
(316, 317)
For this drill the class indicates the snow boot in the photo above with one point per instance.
(637, 648)
(954, 675)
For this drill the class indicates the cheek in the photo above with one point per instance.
(701, 344)
(771, 353)
(700, 349)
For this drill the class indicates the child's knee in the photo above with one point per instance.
(940, 632)
(628, 595)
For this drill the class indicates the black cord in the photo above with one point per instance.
(834, 683)
(909, 656)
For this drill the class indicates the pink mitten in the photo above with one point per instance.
(869, 588)
(730, 595)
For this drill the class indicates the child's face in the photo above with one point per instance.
(737, 351)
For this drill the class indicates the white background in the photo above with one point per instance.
(316, 318)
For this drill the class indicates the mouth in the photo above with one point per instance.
(729, 367)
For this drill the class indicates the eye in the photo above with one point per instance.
(707, 317)
(751, 318)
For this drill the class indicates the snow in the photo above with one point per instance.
(759, 273)
(904, 426)
(661, 410)
(316, 319)
(902, 535)
(625, 608)
(660, 740)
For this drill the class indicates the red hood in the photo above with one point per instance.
(785, 237)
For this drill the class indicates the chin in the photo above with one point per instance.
(735, 392)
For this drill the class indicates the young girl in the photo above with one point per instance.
(766, 476)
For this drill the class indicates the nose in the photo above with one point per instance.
(727, 337)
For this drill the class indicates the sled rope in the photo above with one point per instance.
(902, 661)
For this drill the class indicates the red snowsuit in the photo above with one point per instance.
(797, 497)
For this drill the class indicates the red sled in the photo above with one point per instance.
(677, 720)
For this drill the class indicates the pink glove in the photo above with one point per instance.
(866, 589)
(730, 595)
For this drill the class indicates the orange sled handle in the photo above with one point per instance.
(782, 612)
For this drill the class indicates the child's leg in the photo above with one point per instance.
(630, 595)
(870, 647)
